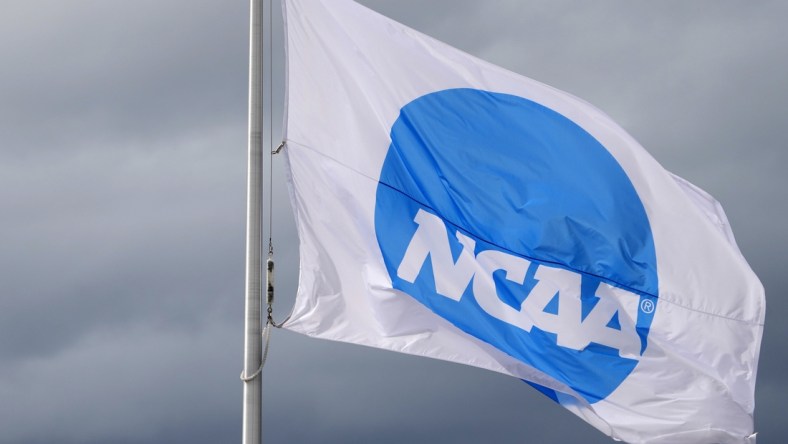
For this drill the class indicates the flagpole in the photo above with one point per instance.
(252, 402)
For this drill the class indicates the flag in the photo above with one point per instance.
(451, 209)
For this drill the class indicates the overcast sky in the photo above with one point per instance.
(122, 200)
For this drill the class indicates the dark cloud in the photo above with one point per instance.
(117, 236)
(122, 189)
(128, 72)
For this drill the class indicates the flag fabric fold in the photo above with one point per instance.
(451, 209)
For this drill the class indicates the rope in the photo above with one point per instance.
(270, 127)
(266, 344)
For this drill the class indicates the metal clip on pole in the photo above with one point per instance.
(269, 297)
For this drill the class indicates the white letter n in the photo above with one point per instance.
(431, 238)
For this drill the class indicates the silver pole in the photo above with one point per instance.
(252, 423)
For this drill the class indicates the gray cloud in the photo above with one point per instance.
(122, 189)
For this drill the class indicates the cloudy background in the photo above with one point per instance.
(122, 200)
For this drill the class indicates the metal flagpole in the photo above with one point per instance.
(252, 424)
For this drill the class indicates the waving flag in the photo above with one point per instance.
(451, 209)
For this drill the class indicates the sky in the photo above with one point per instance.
(122, 212)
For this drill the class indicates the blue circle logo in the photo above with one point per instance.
(518, 227)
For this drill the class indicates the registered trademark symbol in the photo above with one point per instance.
(647, 306)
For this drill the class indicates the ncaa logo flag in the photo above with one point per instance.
(451, 209)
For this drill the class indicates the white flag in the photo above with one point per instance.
(451, 209)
